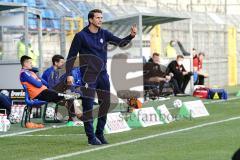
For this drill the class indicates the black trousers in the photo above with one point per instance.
(176, 88)
(52, 96)
(49, 96)
(5, 103)
(157, 87)
(200, 80)
(182, 81)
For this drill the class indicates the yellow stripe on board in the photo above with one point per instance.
(232, 56)
(155, 40)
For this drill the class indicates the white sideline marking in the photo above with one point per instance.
(31, 131)
(140, 139)
(50, 135)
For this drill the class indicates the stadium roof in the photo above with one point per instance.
(149, 19)
(8, 5)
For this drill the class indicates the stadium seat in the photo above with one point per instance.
(6, 1)
(41, 4)
(44, 26)
(32, 23)
(56, 24)
(67, 26)
(48, 14)
(47, 24)
(28, 108)
(30, 15)
(84, 7)
(18, 1)
(31, 3)
(50, 24)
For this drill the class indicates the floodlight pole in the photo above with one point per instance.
(40, 42)
(140, 34)
(225, 7)
(26, 41)
(38, 13)
(62, 37)
(191, 56)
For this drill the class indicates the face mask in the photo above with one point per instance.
(173, 44)
(180, 63)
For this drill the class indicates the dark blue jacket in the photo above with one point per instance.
(46, 74)
(52, 77)
(5, 103)
(94, 44)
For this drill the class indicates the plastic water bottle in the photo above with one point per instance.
(21, 110)
(1, 122)
(13, 108)
(5, 127)
(4, 123)
(18, 110)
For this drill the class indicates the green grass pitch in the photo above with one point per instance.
(211, 142)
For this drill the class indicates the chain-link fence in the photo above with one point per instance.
(210, 35)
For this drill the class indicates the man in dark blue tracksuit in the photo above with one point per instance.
(5, 103)
(91, 44)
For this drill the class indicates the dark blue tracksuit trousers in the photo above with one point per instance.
(102, 87)
(5, 103)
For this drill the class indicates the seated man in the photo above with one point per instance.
(37, 88)
(153, 74)
(197, 69)
(179, 73)
(52, 76)
(5, 103)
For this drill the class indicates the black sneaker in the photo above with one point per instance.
(94, 141)
(102, 139)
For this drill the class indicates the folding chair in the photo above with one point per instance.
(34, 103)
(156, 90)
(28, 108)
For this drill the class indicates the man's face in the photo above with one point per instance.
(60, 64)
(173, 44)
(96, 20)
(194, 52)
(28, 64)
(200, 57)
(156, 59)
(180, 61)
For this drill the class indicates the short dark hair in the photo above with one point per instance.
(56, 58)
(171, 42)
(91, 13)
(201, 53)
(24, 58)
(155, 54)
(180, 56)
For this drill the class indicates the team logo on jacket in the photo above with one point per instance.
(101, 40)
